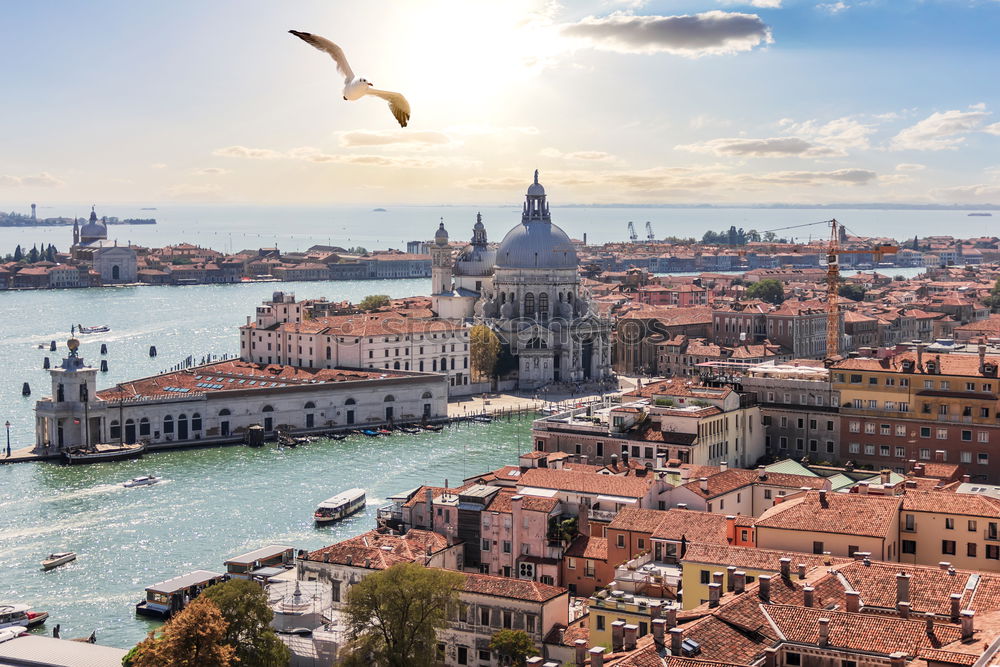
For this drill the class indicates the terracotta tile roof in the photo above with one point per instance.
(947, 471)
(722, 642)
(937, 655)
(964, 365)
(421, 495)
(850, 514)
(502, 503)
(379, 551)
(967, 504)
(586, 482)
(723, 483)
(518, 589)
(234, 375)
(860, 632)
(585, 546)
(793, 481)
(752, 558)
(679, 387)
(637, 519)
(692, 526)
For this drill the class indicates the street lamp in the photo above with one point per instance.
(8, 438)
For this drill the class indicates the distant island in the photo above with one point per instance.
(21, 220)
(378, 210)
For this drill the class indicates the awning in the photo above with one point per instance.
(617, 499)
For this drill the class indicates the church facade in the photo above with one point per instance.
(528, 292)
(115, 264)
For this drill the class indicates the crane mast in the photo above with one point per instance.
(832, 292)
(632, 236)
(650, 237)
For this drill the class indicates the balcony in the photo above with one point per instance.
(389, 513)
(601, 515)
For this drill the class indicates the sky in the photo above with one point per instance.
(614, 101)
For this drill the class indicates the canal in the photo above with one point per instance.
(213, 504)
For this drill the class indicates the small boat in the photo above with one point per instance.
(409, 429)
(338, 436)
(482, 418)
(144, 480)
(433, 427)
(339, 506)
(384, 431)
(12, 615)
(102, 328)
(56, 559)
(102, 452)
(166, 598)
(369, 432)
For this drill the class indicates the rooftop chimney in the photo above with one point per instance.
(903, 608)
(703, 484)
(676, 637)
(718, 577)
(886, 476)
(966, 478)
(631, 635)
(682, 506)
(944, 565)
(902, 587)
(822, 498)
(659, 632)
(807, 596)
(824, 631)
(929, 617)
(764, 590)
(982, 357)
(596, 656)
(624, 459)
(770, 657)
(655, 609)
(739, 581)
(729, 578)
(714, 591)
(617, 636)
(786, 567)
(956, 605)
(614, 460)
(802, 570)
(968, 624)
(897, 659)
(853, 601)
(723, 466)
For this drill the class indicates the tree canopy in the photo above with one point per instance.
(852, 291)
(393, 615)
(196, 637)
(993, 300)
(513, 647)
(248, 617)
(374, 302)
(484, 350)
(769, 290)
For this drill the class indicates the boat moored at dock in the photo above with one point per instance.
(12, 615)
(103, 453)
(56, 559)
(166, 598)
(340, 506)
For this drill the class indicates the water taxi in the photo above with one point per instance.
(144, 480)
(102, 328)
(56, 559)
(12, 615)
(166, 598)
(341, 505)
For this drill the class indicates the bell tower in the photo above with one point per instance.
(441, 263)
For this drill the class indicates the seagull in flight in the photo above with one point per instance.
(356, 87)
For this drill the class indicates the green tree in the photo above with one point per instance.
(484, 350)
(393, 615)
(852, 291)
(769, 290)
(993, 300)
(193, 638)
(357, 250)
(513, 647)
(374, 302)
(33, 254)
(18, 253)
(248, 617)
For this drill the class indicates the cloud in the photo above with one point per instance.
(496, 183)
(840, 133)
(249, 153)
(709, 33)
(760, 4)
(356, 138)
(909, 166)
(589, 156)
(833, 7)
(190, 192)
(976, 193)
(210, 171)
(771, 147)
(472, 129)
(992, 129)
(852, 176)
(942, 130)
(42, 180)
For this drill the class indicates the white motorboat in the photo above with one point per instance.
(56, 559)
(144, 480)
(339, 506)
(13, 615)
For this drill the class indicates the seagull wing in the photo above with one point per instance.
(329, 47)
(398, 105)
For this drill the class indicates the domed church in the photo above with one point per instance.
(528, 291)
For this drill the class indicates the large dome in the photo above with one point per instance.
(536, 243)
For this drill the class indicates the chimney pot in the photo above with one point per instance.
(929, 617)
(580, 651)
(903, 608)
(897, 659)
(968, 623)
(655, 609)
(676, 637)
(802, 570)
(730, 584)
(631, 636)
(671, 617)
(822, 498)
(718, 577)
(703, 484)
(902, 587)
(966, 478)
(659, 632)
(714, 591)
(617, 636)
(786, 567)
(956, 605)
(807, 596)
(853, 601)
(770, 657)
(740, 581)
(944, 565)
(764, 590)
(596, 656)
(824, 631)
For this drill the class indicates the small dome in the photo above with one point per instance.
(536, 245)
(441, 236)
(536, 190)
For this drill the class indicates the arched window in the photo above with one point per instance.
(543, 305)
(116, 273)
(529, 305)
(389, 399)
(168, 424)
(224, 412)
(427, 394)
(144, 427)
(114, 430)
(267, 408)
(395, 366)
(349, 401)
(130, 430)
(196, 422)
(310, 405)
